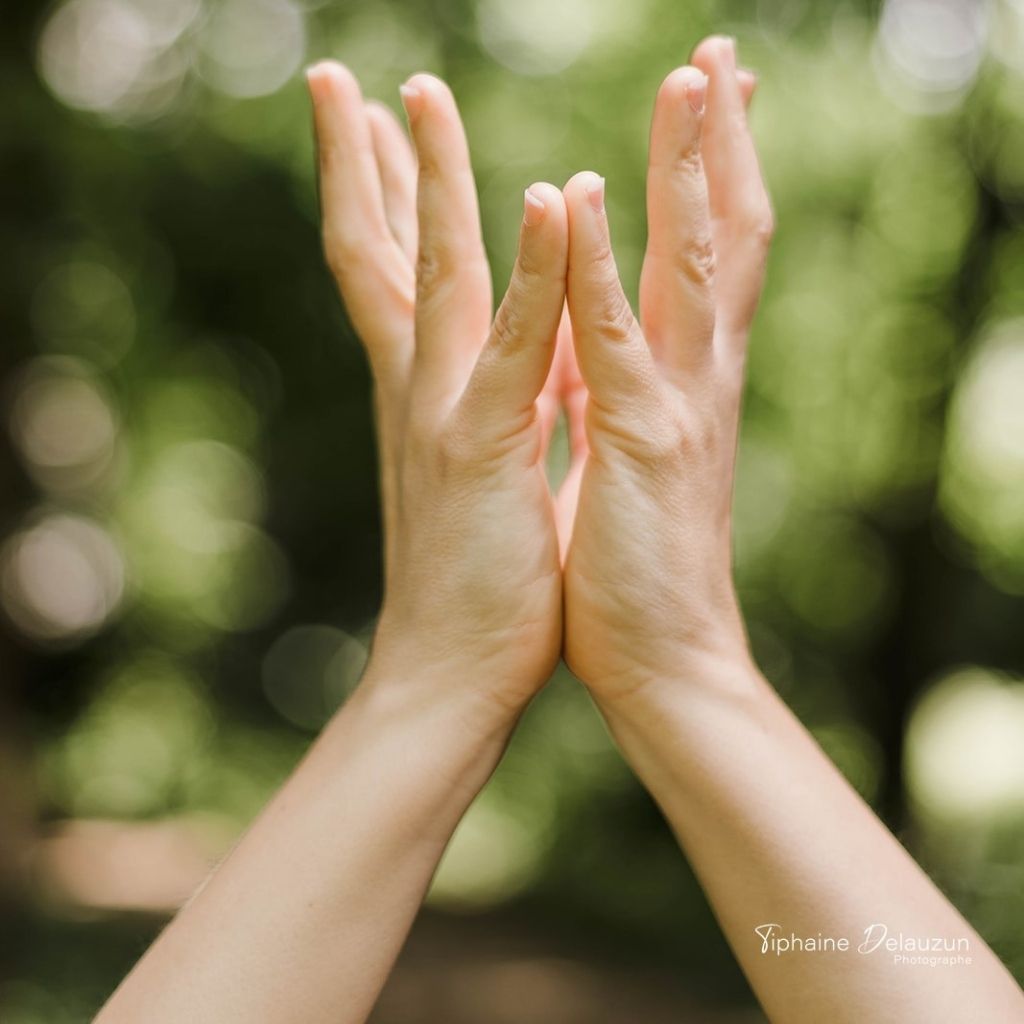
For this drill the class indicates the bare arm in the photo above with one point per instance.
(653, 627)
(787, 851)
(304, 919)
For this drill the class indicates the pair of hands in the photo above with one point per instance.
(627, 570)
(489, 577)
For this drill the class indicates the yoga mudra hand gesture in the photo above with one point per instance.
(303, 921)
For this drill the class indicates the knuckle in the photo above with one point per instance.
(681, 434)
(696, 260)
(667, 442)
(433, 266)
(758, 223)
(507, 328)
(702, 440)
(329, 153)
(698, 434)
(615, 322)
(453, 448)
(600, 257)
(438, 262)
(689, 164)
(428, 167)
(763, 230)
(662, 450)
(342, 252)
(652, 434)
(529, 268)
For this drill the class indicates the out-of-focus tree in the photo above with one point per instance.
(189, 564)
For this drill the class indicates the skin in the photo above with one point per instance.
(303, 921)
(468, 515)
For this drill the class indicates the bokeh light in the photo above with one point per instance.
(64, 425)
(493, 856)
(964, 742)
(252, 47)
(1008, 32)
(117, 57)
(534, 37)
(983, 464)
(309, 671)
(61, 578)
(212, 563)
(932, 49)
(131, 60)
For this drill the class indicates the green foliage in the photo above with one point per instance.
(190, 481)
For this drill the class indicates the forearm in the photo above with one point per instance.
(304, 919)
(778, 837)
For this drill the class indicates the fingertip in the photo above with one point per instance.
(714, 52)
(585, 189)
(544, 239)
(716, 56)
(678, 115)
(412, 101)
(543, 202)
(320, 68)
(428, 83)
(326, 77)
(574, 185)
(550, 195)
(533, 209)
(381, 113)
(687, 83)
(423, 91)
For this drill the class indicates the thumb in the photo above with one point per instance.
(514, 363)
(613, 356)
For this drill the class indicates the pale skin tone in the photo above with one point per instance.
(303, 921)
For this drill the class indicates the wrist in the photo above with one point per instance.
(681, 674)
(494, 675)
(408, 687)
(431, 747)
(680, 727)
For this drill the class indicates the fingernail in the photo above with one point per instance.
(412, 100)
(696, 91)
(533, 209)
(595, 192)
(730, 47)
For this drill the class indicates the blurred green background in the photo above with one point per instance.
(189, 566)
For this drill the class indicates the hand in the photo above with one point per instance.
(648, 583)
(472, 574)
